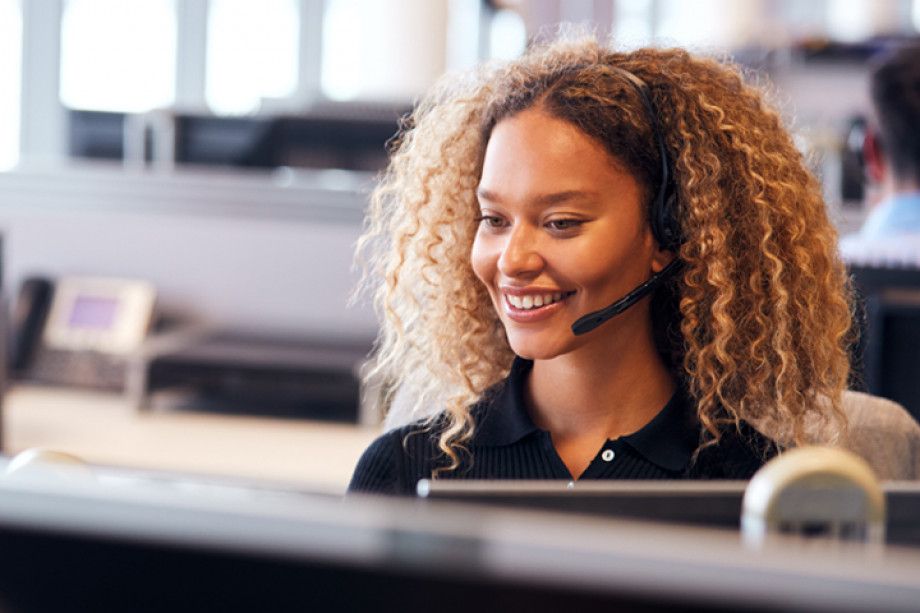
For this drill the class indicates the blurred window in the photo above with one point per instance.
(690, 23)
(850, 20)
(383, 51)
(118, 55)
(10, 83)
(632, 22)
(342, 60)
(507, 34)
(252, 53)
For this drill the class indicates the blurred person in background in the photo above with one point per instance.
(891, 233)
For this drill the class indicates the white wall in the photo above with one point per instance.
(243, 251)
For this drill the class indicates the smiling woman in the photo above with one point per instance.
(559, 217)
(529, 197)
(563, 234)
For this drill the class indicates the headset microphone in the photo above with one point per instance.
(592, 320)
(662, 220)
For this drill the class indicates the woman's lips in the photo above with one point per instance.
(531, 301)
(527, 307)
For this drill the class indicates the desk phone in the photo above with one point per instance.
(80, 330)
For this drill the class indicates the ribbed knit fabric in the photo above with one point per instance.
(507, 445)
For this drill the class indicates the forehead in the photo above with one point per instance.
(534, 152)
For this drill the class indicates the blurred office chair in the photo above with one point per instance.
(884, 434)
(881, 432)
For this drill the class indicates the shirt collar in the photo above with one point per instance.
(668, 440)
(671, 438)
(504, 419)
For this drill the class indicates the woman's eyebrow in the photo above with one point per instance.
(543, 199)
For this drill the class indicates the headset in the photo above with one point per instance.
(663, 221)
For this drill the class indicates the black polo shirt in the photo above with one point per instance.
(506, 444)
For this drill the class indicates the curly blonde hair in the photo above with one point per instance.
(760, 315)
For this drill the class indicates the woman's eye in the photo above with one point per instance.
(490, 221)
(562, 225)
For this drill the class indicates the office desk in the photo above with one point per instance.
(143, 548)
(104, 429)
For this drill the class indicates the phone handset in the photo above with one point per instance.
(28, 320)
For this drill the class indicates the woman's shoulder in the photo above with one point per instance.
(390, 463)
(376, 471)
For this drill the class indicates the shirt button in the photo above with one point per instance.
(607, 455)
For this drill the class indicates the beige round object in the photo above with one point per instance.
(814, 491)
(43, 465)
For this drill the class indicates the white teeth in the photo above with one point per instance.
(533, 302)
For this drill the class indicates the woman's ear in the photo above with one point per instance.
(661, 258)
(873, 157)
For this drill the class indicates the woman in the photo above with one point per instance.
(523, 199)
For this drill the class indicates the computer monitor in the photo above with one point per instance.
(893, 346)
(700, 503)
(713, 504)
(887, 352)
(332, 135)
(89, 545)
(96, 134)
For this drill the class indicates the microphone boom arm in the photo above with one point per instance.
(592, 320)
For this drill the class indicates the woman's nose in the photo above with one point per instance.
(520, 254)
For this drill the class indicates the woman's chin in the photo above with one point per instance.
(540, 350)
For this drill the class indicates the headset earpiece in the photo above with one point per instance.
(663, 220)
(663, 217)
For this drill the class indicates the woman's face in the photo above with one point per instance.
(563, 233)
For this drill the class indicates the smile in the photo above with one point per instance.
(526, 303)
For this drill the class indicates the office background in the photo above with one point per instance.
(223, 149)
(171, 65)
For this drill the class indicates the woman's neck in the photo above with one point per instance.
(600, 391)
(609, 394)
